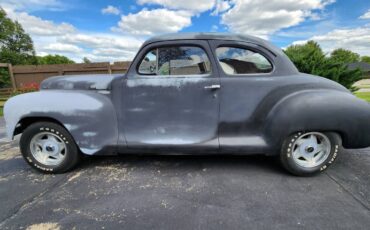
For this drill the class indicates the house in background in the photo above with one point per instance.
(363, 66)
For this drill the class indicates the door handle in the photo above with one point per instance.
(212, 87)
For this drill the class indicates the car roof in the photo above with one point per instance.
(204, 36)
(214, 36)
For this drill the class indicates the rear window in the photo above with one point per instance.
(242, 61)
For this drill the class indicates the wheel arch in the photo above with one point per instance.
(25, 122)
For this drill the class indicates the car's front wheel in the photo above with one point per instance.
(49, 148)
(308, 153)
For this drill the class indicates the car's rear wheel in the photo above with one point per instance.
(49, 148)
(308, 153)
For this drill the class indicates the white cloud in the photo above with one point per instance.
(354, 39)
(31, 5)
(110, 10)
(61, 47)
(221, 6)
(64, 39)
(95, 46)
(189, 5)
(103, 41)
(256, 17)
(366, 15)
(264, 17)
(37, 26)
(149, 22)
(114, 52)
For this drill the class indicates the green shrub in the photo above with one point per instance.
(4, 78)
(309, 58)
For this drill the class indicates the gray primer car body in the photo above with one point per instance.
(249, 114)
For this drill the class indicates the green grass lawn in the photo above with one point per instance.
(1, 107)
(363, 95)
(2, 102)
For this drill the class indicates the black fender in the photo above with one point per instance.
(320, 110)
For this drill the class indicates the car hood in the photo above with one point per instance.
(80, 82)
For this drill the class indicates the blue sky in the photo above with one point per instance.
(114, 30)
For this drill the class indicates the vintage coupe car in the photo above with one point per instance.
(192, 94)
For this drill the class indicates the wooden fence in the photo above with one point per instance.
(23, 75)
(5, 93)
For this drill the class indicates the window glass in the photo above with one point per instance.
(242, 61)
(179, 60)
(149, 63)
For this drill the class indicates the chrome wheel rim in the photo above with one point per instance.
(311, 149)
(48, 149)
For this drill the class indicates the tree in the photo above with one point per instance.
(344, 56)
(53, 59)
(16, 46)
(309, 58)
(86, 60)
(365, 59)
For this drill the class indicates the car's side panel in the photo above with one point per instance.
(90, 117)
(170, 114)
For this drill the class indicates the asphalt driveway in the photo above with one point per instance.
(183, 192)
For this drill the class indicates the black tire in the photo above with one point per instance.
(286, 156)
(72, 155)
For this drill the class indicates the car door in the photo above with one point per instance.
(170, 98)
(246, 77)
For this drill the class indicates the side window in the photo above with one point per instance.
(242, 61)
(149, 63)
(177, 60)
